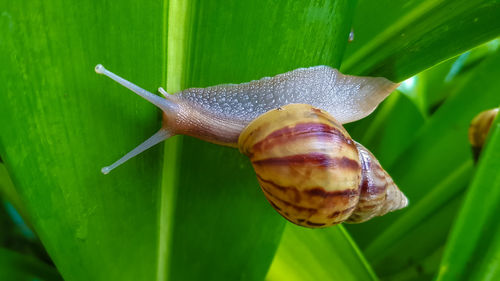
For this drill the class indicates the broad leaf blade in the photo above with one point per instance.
(405, 37)
(222, 225)
(391, 128)
(432, 172)
(61, 123)
(318, 254)
(9, 192)
(472, 251)
(428, 222)
(15, 266)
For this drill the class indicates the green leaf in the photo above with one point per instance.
(9, 192)
(240, 230)
(427, 221)
(422, 269)
(404, 37)
(441, 145)
(391, 129)
(318, 254)
(433, 172)
(445, 78)
(61, 123)
(472, 251)
(15, 266)
(198, 216)
(445, 135)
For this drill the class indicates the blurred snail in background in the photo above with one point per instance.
(479, 129)
(308, 167)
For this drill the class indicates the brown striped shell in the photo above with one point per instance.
(479, 129)
(312, 172)
(379, 195)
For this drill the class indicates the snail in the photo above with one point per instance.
(479, 129)
(307, 165)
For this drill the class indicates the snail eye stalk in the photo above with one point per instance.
(163, 103)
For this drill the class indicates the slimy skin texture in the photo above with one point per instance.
(290, 127)
(219, 113)
(348, 98)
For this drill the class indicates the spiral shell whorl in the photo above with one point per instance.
(306, 163)
(379, 194)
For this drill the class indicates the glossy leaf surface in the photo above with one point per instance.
(473, 249)
(190, 210)
(201, 215)
(61, 123)
(406, 37)
(441, 152)
(318, 254)
(240, 229)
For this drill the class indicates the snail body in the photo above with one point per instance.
(308, 167)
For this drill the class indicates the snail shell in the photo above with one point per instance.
(479, 129)
(312, 172)
(379, 194)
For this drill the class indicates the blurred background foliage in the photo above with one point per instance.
(189, 210)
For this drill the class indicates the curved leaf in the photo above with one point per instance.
(432, 172)
(15, 266)
(405, 37)
(318, 254)
(472, 252)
